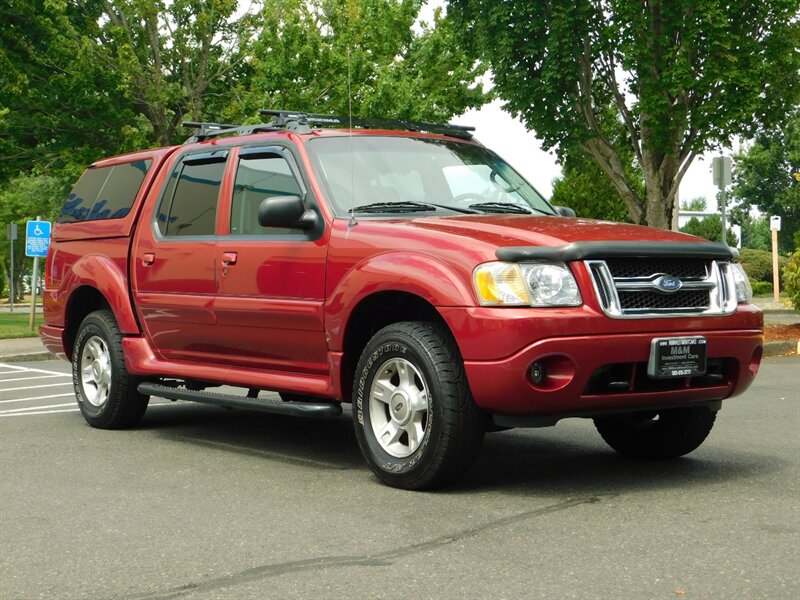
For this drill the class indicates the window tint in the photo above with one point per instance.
(191, 197)
(256, 179)
(104, 193)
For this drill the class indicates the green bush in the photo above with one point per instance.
(791, 279)
(758, 264)
(761, 288)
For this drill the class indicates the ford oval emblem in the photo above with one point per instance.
(668, 283)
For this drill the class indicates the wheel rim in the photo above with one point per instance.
(398, 407)
(96, 371)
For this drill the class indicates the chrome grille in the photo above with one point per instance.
(628, 287)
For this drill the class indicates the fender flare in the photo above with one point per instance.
(413, 273)
(104, 275)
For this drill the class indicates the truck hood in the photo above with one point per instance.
(519, 230)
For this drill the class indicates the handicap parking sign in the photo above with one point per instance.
(37, 238)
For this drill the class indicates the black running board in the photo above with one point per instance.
(319, 410)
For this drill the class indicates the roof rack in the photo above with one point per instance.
(209, 130)
(296, 119)
(303, 122)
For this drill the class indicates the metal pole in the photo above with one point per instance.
(724, 221)
(34, 276)
(33, 292)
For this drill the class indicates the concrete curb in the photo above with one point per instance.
(28, 357)
(781, 347)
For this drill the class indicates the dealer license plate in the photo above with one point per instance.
(677, 357)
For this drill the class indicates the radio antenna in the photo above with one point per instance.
(353, 221)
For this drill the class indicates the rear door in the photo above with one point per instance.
(174, 268)
(269, 307)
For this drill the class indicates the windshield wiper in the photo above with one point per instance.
(399, 207)
(501, 207)
(406, 206)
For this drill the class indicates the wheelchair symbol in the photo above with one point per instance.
(37, 231)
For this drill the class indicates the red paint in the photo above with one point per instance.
(273, 313)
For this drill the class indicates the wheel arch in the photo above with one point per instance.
(371, 314)
(96, 283)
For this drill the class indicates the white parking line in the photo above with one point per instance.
(36, 387)
(46, 410)
(36, 377)
(30, 369)
(36, 398)
(21, 410)
(43, 412)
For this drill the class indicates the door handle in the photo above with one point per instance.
(229, 258)
(148, 258)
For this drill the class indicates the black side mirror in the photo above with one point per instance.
(286, 211)
(564, 211)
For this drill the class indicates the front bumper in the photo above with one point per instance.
(601, 372)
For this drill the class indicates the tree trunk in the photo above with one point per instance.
(609, 162)
(660, 174)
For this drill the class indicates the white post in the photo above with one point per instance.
(775, 227)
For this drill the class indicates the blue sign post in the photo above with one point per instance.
(37, 238)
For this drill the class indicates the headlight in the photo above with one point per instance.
(551, 284)
(528, 284)
(744, 293)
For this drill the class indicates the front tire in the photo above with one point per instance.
(106, 393)
(415, 420)
(657, 435)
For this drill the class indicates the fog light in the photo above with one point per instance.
(537, 373)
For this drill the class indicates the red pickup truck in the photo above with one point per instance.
(407, 270)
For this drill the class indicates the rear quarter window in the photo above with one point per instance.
(104, 192)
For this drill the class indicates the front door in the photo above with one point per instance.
(269, 307)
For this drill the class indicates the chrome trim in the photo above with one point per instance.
(719, 283)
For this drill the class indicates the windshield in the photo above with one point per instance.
(375, 174)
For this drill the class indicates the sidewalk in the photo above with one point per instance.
(23, 350)
(30, 349)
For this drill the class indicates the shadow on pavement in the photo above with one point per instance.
(570, 459)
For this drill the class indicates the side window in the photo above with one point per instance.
(258, 177)
(104, 193)
(189, 204)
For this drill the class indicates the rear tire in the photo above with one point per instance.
(657, 435)
(415, 420)
(106, 393)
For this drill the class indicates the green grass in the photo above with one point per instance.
(15, 325)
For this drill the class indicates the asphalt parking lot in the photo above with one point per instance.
(203, 502)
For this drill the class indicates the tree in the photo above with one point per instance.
(89, 78)
(682, 76)
(585, 188)
(755, 230)
(767, 176)
(23, 199)
(697, 204)
(359, 56)
(709, 227)
(60, 107)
